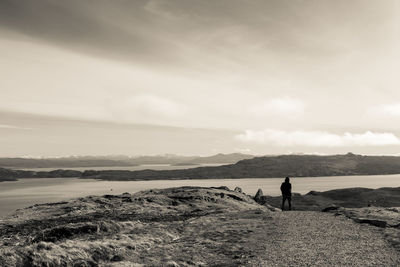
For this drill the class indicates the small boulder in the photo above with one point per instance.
(271, 208)
(330, 208)
(313, 193)
(377, 223)
(258, 195)
(117, 258)
(238, 189)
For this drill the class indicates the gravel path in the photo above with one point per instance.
(296, 238)
(319, 239)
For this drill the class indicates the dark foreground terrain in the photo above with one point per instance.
(194, 226)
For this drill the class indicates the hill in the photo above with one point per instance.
(186, 226)
(269, 167)
(259, 167)
(13, 175)
(220, 158)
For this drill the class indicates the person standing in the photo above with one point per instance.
(286, 189)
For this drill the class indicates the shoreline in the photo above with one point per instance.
(199, 178)
(265, 167)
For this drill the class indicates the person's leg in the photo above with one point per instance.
(283, 202)
(290, 203)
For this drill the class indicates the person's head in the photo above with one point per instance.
(287, 180)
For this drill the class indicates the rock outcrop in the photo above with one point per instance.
(347, 197)
(388, 219)
(259, 196)
(238, 190)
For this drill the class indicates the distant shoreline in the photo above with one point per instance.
(185, 179)
(259, 167)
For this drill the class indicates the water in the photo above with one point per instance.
(26, 192)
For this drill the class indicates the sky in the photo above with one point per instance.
(85, 77)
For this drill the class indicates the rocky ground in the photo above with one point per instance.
(190, 226)
(388, 219)
(348, 198)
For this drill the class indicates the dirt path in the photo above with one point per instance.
(259, 238)
(319, 239)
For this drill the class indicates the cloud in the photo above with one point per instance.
(154, 105)
(7, 126)
(156, 30)
(386, 110)
(81, 27)
(279, 105)
(317, 138)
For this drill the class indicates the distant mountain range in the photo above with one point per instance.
(118, 161)
(259, 167)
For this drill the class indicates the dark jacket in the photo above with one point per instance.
(286, 189)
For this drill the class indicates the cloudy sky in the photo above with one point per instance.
(199, 77)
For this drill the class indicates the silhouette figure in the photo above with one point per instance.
(286, 189)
